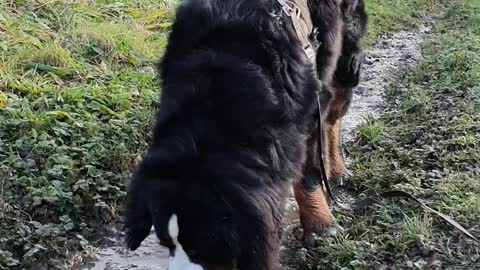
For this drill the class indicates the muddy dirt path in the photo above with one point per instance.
(392, 53)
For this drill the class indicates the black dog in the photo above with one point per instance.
(237, 111)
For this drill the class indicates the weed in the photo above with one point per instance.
(370, 130)
(414, 100)
(416, 229)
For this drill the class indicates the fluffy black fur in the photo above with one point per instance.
(238, 98)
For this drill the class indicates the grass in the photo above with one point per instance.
(371, 130)
(395, 15)
(429, 147)
(77, 92)
(77, 95)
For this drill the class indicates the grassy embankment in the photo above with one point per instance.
(77, 93)
(427, 143)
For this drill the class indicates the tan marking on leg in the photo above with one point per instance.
(336, 163)
(332, 132)
(315, 216)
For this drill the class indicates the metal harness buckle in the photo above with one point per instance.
(292, 10)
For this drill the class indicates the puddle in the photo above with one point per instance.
(392, 53)
(149, 256)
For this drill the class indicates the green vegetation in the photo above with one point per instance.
(395, 15)
(428, 144)
(77, 94)
(370, 130)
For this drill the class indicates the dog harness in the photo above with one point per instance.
(299, 14)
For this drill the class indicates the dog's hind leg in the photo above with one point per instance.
(345, 79)
(315, 215)
(327, 18)
(337, 107)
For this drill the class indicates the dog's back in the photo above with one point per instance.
(233, 84)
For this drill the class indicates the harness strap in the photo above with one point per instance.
(299, 14)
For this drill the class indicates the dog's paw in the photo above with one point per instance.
(341, 179)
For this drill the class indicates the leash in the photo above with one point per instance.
(324, 180)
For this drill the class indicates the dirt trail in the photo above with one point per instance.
(383, 62)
